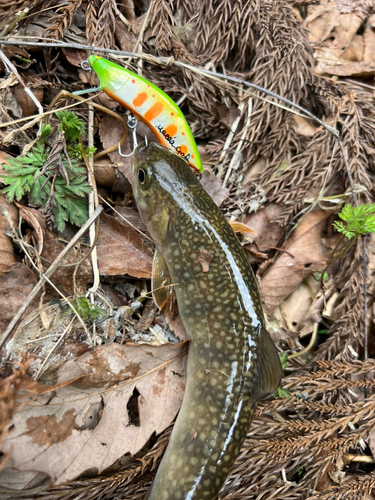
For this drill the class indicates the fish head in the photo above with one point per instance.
(162, 184)
(111, 76)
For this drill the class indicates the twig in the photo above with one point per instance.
(365, 273)
(49, 273)
(164, 60)
(229, 139)
(93, 202)
(130, 224)
(10, 67)
(35, 118)
(40, 371)
(239, 145)
(309, 346)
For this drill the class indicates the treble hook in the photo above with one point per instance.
(132, 125)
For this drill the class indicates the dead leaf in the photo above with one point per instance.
(299, 301)
(15, 286)
(355, 50)
(267, 232)
(204, 259)
(175, 323)
(6, 243)
(304, 127)
(74, 56)
(29, 216)
(121, 250)
(87, 425)
(214, 187)
(3, 159)
(369, 46)
(51, 246)
(132, 216)
(105, 173)
(287, 272)
(24, 101)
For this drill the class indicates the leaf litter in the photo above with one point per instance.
(269, 170)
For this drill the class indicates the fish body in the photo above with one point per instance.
(232, 360)
(151, 105)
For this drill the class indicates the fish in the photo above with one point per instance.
(232, 360)
(151, 105)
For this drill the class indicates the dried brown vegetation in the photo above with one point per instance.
(317, 444)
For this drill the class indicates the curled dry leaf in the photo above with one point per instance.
(104, 173)
(6, 243)
(52, 246)
(214, 187)
(308, 255)
(88, 425)
(121, 250)
(15, 286)
(267, 232)
(24, 101)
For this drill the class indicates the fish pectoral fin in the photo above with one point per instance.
(162, 292)
(270, 371)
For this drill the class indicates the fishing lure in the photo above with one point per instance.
(151, 105)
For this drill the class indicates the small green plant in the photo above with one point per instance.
(280, 391)
(85, 309)
(357, 220)
(51, 176)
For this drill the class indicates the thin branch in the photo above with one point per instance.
(168, 60)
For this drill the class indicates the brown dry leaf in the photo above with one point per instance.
(105, 174)
(51, 246)
(132, 216)
(24, 101)
(3, 158)
(369, 46)
(74, 56)
(87, 425)
(325, 21)
(288, 272)
(267, 232)
(214, 187)
(175, 323)
(121, 250)
(15, 286)
(6, 243)
(304, 127)
(298, 302)
(355, 50)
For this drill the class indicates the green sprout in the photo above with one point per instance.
(357, 220)
(50, 175)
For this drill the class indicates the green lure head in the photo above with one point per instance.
(111, 76)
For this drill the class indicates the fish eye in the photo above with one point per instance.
(142, 176)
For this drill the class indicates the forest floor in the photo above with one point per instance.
(280, 98)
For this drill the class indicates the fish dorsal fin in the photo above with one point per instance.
(270, 372)
(161, 280)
